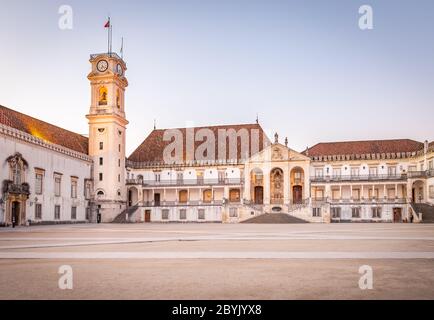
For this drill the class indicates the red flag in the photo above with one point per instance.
(107, 25)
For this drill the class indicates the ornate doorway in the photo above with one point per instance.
(15, 212)
(297, 194)
(276, 186)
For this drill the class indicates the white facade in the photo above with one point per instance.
(49, 162)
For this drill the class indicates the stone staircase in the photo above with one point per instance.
(274, 218)
(426, 210)
(122, 217)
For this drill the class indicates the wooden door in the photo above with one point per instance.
(297, 194)
(259, 195)
(397, 215)
(147, 215)
(157, 199)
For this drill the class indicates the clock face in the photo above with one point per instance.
(119, 69)
(102, 65)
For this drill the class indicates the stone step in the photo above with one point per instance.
(274, 218)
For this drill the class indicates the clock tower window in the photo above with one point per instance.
(102, 96)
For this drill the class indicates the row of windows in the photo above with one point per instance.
(101, 162)
(355, 212)
(183, 214)
(39, 183)
(354, 171)
(38, 212)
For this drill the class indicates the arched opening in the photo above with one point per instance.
(276, 186)
(118, 99)
(417, 192)
(102, 96)
(297, 184)
(133, 196)
(257, 186)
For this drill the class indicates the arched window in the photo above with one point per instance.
(118, 99)
(102, 101)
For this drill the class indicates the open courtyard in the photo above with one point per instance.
(218, 261)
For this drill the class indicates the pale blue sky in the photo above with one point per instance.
(304, 66)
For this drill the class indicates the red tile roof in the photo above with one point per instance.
(151, 150)
(364, 147)
(43, 130)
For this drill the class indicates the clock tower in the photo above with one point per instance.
(107, 128)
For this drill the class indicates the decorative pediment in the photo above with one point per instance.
(277, 152)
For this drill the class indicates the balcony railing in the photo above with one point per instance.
(12, 188)
(341, 178)
(380, 200)
(181, 204)
(185, 182)
(421, 174)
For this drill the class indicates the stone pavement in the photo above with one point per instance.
(215, 261)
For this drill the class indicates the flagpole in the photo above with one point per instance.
(111, 38)
(108, 37)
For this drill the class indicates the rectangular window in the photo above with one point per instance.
(356, 194)
(57, 186)
(431, 191)
(119, 148)
(165, 214)
(179, 176)
(87, 213)
(56, 212)
(316, 212)
(119, 162)
(183, 214)
(119, 178)
(87, 190)
(233, 212)
(373, 194)
(101, 145)
(38, 183)
(201, 214)
(376, 212)
(100, 176)
(73, 213)
(74, 189)
(422, 167)
(373, 171)
(38, 211)
(412, 168)
(157, 177)
(336, 194)
(336, 172)
(355, 212)
(336, 212)
(101, 161)
(319, 172)
(431, 165)
(391, 171)
(390, 194)
(355, 172)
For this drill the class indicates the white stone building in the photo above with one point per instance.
(211, 174)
